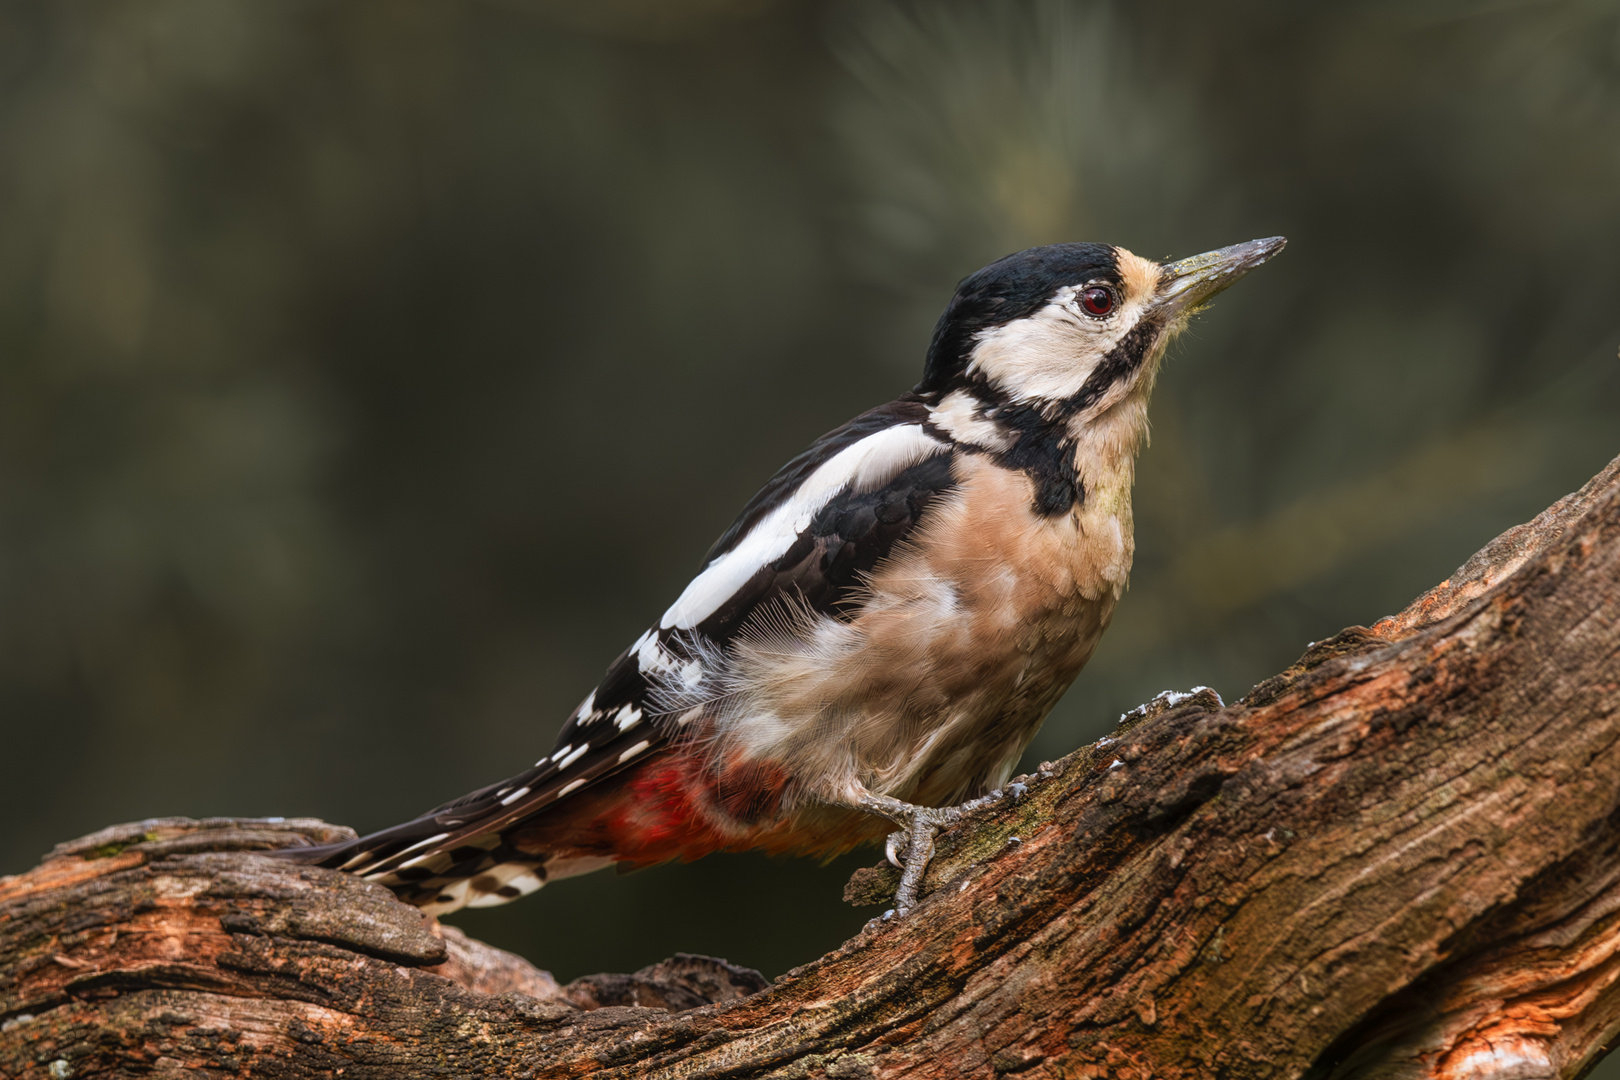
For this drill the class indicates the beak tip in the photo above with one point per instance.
(1190, 283)
(1270, 246)
(1244, 257)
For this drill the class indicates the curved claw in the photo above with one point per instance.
(912, 846)
(894, 849)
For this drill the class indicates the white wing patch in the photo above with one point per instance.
(651, 656)
(866, 465)
(692, 675)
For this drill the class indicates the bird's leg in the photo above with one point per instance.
(913, 846)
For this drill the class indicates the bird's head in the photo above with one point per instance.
(1069, 330)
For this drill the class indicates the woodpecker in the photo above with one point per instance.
(881, 631)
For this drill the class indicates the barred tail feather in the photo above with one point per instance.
(484, 871)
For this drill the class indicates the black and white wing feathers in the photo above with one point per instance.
(807, 539)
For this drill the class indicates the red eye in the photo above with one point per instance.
(1097, 300)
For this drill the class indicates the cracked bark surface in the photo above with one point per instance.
(1397, 858)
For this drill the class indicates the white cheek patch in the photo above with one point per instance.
(1049, 355)
(868, 464)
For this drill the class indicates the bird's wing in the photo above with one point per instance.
(807, 538)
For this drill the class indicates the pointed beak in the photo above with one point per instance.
(1188, 284)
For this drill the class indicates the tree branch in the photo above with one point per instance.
(1398, 858)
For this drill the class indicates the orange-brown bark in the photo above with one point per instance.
(1398, 858)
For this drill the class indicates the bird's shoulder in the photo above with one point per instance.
(905, 412)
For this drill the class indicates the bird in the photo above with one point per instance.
(876, 638)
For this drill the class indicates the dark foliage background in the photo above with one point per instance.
(370, 374)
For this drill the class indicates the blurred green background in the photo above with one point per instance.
(372, 373)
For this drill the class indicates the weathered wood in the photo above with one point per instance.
(1398, 858)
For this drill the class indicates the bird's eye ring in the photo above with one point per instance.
(1097, 300)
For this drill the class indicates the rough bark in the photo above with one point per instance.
(1398, 858)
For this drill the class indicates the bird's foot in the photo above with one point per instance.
(912, 847)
